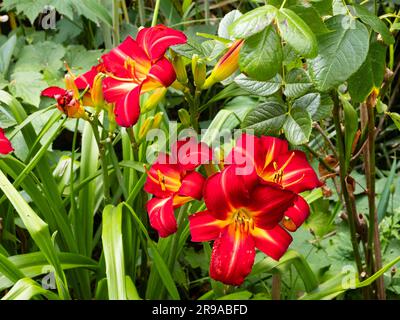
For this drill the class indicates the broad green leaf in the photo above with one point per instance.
(318, 105)
(297, 33)
(93, 10)
(309, 102)
(28, 86)
(297, 126)
(6, 52)
(241, 295)
(81, 60)
(297, 83)
(385, 195)
(266, 118)
(260, 88)
(212, 49)
(226, 21)
(26, 289)
(311, 17)
(374, 22)
(114, 252)
(350, 127)
(341, 52)
(131, 291)
(260, 57)
(252, 22)
(370, 75)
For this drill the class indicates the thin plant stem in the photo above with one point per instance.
(343, 175)
(141, 12)
(155, 14)
(206, 11)
(276, 286)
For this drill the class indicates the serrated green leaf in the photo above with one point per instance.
(395, 117)
(341, 52)
(297, 83)
(260, 88)
(252, 22)
(374, 22)
(261, 55)
(297, 126)
(297, 33)
(311, 17)
(226, 21)
(370, 75)
(309, 102)
(267, 118)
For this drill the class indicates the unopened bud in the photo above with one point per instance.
(153, 100)
(226, 66)
(199, 71)
(144, 128)
(71, 86)
(184, 116)
(97, 92)
(157, 120)
(180, 69)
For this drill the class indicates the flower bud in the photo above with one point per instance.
(97, 92)
(199, 71)
(226, 66)
(71, 86)
(154, 98)
(184, 117)
(144, 128)
(180, 69)
(157, 120)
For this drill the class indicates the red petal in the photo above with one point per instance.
(127, 108)
(114, 61)
(268, 205)
(53, 91)
(298, 175)
(156, 40)
(168, 173)
(114, 89)
(225, 191)
(86, 79)
(296, 215)
(5, 144)
(192, 185)
(205, 227)
(232, 256)
(190, 154)
(162, 216)
(163, 72)
(273, 242)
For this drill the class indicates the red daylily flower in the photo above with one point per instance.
(5, 144)
(67, 101)
(138, 66)
(270, 160)
(173, 182)
(241, 215)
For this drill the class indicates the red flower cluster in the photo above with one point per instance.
(132, 68)
(249, 203)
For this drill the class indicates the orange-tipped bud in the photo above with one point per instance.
(71, 86)
(153, 100)
(226, 66)
(199, 71)
(97, 92)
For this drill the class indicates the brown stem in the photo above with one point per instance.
(343, 174)
(326, 138)
(276, 286)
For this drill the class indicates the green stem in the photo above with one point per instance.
(155, 14)
(102, 153)
(141, 12)
(343, 176)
